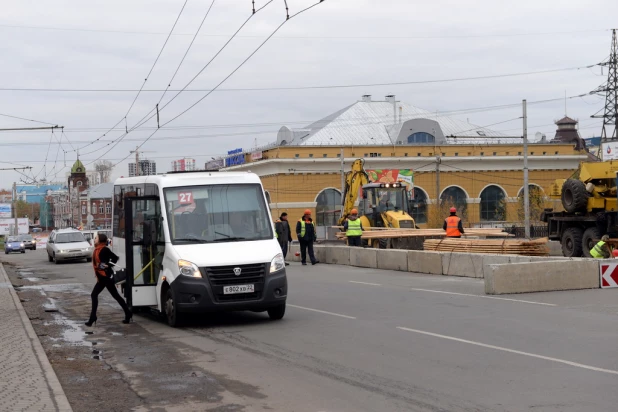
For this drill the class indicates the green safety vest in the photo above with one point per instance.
(276, 234)
(354, 228)
(302, 227)
(597, 251)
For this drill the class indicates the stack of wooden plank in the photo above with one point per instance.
(383, 233)
(536, 247)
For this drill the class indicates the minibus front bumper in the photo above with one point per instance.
(255, 290)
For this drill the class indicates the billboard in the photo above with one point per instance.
(235, 157)
(5, 210)
(609, 151)
(7, 224)
(392, 176)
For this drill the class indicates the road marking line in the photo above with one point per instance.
(532, 355)
(365, 283)
(485, 297)
(323, 311)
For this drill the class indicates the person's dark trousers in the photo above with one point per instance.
(354, 241)
(105, 283)
(304, 247)
(284, 248)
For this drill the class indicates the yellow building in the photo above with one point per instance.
(483, 179)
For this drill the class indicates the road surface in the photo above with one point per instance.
(352, 340)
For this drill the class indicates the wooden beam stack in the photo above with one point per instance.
(384, 233)
(536, 247)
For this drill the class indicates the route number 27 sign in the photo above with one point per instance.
(185, 198)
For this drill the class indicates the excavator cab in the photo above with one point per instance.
(386, 205)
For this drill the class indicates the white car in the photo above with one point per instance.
(68, 244)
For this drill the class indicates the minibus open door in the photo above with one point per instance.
(144, 248)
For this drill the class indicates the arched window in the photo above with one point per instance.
(420, 138)
(418, 206)
(267, 196)
(536, 197)
(328, 207)
(79, 183)
(493, 205)
(455, 196)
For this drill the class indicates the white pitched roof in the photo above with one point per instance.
(377, 123)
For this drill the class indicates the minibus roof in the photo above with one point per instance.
(192, 179)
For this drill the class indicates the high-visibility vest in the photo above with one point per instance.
(597, 250)
(275, 227)
(303, 227)
(452, 226)
(354, 228)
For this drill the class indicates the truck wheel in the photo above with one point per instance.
(591, 237)
(277, 312)
(574, 196)
(383, 243)
(572, 242)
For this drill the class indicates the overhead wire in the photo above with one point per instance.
(147, 117)
(27, 120)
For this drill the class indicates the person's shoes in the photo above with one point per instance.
(128, 317)
(315, 263)
(91, 321)
(304, 264)
(287, 264)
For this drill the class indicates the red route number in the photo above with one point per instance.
(185, 198)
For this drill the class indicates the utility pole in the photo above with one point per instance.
(342, 173)
(438, 183)
(526, 188)
(16, 228)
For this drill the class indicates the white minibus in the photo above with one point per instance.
(197, 242)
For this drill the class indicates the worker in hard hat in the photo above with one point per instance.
(305, 231)
(601, 249)
(353, 228)
(453, 225)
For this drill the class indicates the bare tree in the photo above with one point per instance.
(104, 169)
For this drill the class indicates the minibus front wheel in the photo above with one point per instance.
(277, 312)
(171, 309)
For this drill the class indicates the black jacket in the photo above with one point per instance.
(310, 235)
(282, 227)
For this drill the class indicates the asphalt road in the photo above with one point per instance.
(368, 340)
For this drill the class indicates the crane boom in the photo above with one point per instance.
(354, 180)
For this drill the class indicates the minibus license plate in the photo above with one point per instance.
(229, 290)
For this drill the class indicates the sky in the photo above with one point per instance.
(80, 65)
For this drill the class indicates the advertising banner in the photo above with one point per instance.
(609, 151)
(7, 224)
(5, 210)
(393, 175)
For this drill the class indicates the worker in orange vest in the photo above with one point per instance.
(453, 225)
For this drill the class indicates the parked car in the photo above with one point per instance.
(68, 244)
(13, 244)
(28, 241)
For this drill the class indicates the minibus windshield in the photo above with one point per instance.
(217, 213)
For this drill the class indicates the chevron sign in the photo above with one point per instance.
(609, 275)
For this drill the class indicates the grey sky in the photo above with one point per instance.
(337, 42)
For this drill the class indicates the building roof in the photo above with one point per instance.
(369, 122)
(102, 191)
(566, 120)
(78, 167)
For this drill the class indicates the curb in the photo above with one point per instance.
(57, 393)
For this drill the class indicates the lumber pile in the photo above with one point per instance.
(536, 247)
(384, 233)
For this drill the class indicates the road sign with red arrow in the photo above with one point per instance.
(609, 275)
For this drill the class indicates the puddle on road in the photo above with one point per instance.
(72, 333)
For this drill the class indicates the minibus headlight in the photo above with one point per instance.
(187, 268)
(277, 263)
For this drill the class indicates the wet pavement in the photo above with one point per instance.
(352, 340)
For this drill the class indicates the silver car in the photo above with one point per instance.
(28, 241)
(68, 244)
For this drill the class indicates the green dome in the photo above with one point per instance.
(78, 167)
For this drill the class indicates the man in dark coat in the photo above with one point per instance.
(305, 230)
(284, 234)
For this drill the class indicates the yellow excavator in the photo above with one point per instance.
(383, 205)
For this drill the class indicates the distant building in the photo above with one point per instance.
(183, 165)
(99, 205)
(146, 167)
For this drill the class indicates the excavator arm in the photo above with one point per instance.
(354, 180)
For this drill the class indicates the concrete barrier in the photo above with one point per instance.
(318, 250)
(336, 255)
(393, 259)
(462, 264)
(420, 261)
(541, 276)
(364, 257)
